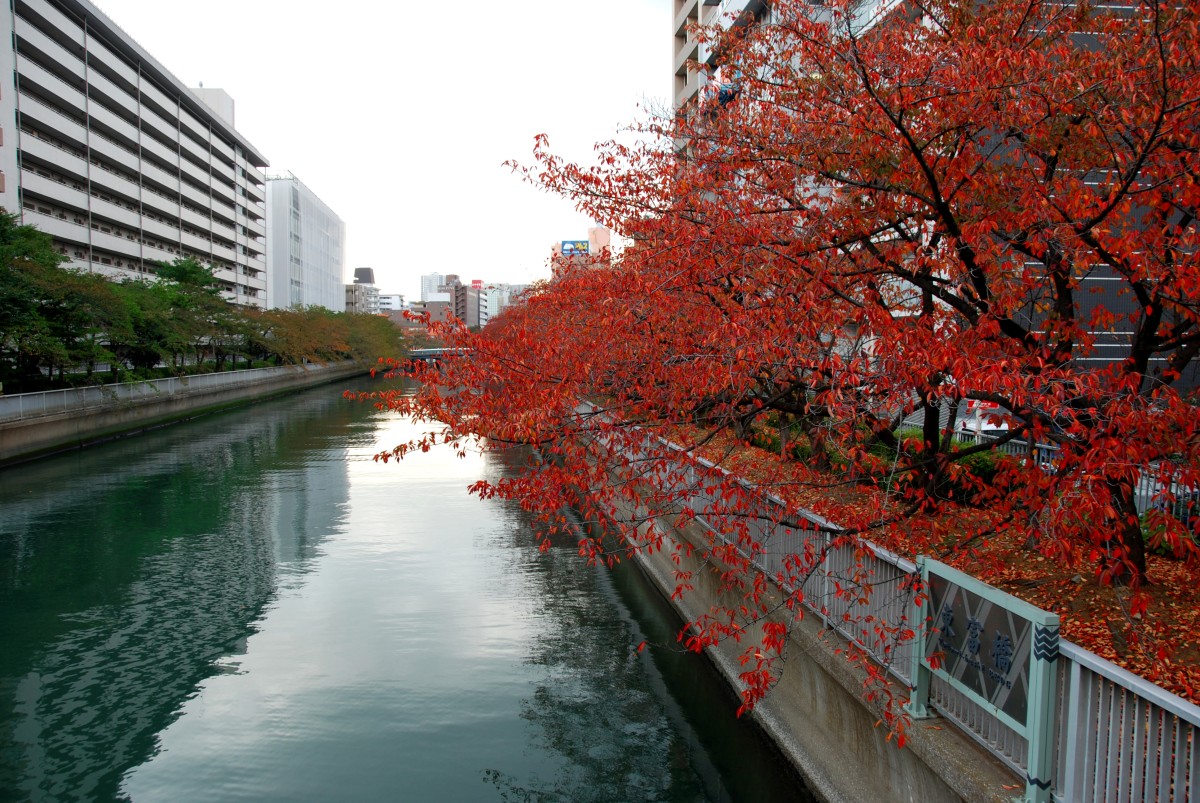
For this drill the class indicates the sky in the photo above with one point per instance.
(399, 115)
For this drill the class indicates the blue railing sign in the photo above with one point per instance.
(997, 650)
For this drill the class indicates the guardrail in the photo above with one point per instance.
(26, 406)
(1116, 736)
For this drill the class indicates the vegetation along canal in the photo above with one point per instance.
(246, 607)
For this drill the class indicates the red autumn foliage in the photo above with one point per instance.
(992, 202)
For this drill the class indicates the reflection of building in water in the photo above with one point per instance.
(128, 570)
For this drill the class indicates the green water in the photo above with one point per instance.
(246, 607)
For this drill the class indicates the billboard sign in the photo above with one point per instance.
(573, 248)
(477, 284)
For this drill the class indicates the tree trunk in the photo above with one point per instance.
(1131, 567)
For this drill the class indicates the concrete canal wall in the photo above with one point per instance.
(36, 424)
(818, 717)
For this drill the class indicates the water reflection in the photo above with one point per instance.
(247, 608)
(130, 571)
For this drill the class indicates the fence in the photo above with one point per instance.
(24, 406)
(1117, 737)
(1148, 490)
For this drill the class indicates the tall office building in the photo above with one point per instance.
(306, 248)
(102, 148)
(430, 284)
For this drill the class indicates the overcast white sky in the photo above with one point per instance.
(398, 115)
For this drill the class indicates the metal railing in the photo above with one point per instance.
(26, 406)
(1117, 736)
(1149, 491)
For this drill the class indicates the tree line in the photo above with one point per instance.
(61, 327)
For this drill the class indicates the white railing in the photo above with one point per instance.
(1149, 491)
(1118, 737)
(25, 406)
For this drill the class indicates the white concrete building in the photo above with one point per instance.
(391, 302)
(430, 284)
(105, 150)
(306, 248)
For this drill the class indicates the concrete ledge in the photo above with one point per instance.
(817, 715)
(31, 438)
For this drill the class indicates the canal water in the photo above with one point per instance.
(246, 607)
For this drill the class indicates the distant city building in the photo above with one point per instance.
(362, 299)
(497, 297)
(363, 296)
(102, 148)
(391, 302)
(430, 283)
(306, 261)
(595, 250)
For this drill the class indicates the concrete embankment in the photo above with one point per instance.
(34, 425)
(819, 718)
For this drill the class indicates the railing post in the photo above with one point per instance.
(918, 702)
(1042, 704)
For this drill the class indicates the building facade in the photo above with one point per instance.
(362, 297)
(430, 284)
(102, 148)
(306, 248)
(391, 302)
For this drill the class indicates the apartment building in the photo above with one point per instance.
(306, 248)
(362, 297)
(686, 50)
(105, 150)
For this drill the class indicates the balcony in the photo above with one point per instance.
(34, 38)
(100, 52)
(160, 230)
(113, 94)
(159, 150)
(114, 152)
(192, 125)
(116, 127)
(115, 184)
(223, 229)
(162, 180)
(195, 196)
(57, 227)
(38, 186)
(56, 88)
(63, 161)
(198, 174)
(153, 253)
(195, 149)
(117, 244)
(219, 146)
(158, 98)
(117, 214)
(163, 206)
(64, 24)
(225, 193)
(194, 219)
(192, 241)
(51, 120)
(160, 126)
(224, 251)
(223, 209)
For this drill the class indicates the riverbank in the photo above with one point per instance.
(816, 713)
(34, 425)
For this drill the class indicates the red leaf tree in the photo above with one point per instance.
(993, 202)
